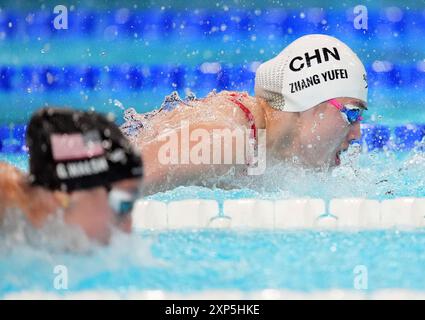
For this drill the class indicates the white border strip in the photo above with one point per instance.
(267, 294)
(339, 214)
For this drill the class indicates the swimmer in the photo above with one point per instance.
(80, 165)
(308, 101)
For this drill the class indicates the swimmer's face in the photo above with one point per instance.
(131, 186)
(90, 210)
(325, 134)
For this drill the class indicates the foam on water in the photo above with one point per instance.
(28, 256)
(376, 175)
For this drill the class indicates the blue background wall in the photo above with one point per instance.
(134, 53)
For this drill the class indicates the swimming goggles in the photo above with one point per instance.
(351, 113)
(121, 201)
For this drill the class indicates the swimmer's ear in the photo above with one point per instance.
(62, 198)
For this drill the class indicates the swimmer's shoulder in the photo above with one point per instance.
(12, 186)
(214, 107)
(18, 193)
(9, 174)
(249, 102)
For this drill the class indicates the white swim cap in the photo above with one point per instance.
(311, 70)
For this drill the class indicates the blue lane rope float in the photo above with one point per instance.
(138, 77)
(12, 138)
(163, 23)
(374, 138)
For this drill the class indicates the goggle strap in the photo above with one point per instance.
(340, 107)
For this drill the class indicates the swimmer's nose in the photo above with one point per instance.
(355, 132)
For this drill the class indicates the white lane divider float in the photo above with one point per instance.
(250, 213)
(150, 214)
(290, 214)
(191, 213)
(356, 213)
(402, 213)
(298, 213)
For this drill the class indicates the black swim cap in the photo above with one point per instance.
(74, 150)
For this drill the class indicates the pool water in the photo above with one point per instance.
(197, 260)
(115, 62)
(208, 260)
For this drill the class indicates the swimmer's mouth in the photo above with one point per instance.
(338, 157)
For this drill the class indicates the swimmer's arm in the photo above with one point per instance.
(162, 174)
(2, 210)
(16, 193)
(10, 188)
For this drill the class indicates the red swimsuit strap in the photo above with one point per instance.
(234, 97)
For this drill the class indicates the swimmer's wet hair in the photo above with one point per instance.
(75, 150)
